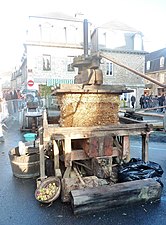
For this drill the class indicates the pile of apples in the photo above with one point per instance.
(47, 192)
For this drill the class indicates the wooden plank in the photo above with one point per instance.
(153, 114)
(101, 128)
(83, 88)
(90, 200)
(159, 107)
(155, 123)
(127, 120)
(97, 131)
(80, 154)
(90, 87)
(73, 183)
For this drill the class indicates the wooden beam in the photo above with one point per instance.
(80, 154)
(59, 133)
(72, 183)
(90, 200)
(158, 107)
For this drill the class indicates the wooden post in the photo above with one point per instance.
(145, 142)
(56, 160)
(126, 147)
(67, 149)
(41, 152)
(45, 121)
(42, 162)
(56, 155)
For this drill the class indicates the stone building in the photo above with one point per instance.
(54, 39)
(125, 45)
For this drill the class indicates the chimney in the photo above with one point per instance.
(85, 24)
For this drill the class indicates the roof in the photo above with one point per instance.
(124, 51)
(56, 15)
(117, 25)
(155, 63)
(156, 54)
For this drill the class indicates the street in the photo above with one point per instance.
(19, 206)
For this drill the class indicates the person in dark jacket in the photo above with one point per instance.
(141, 101)
(133, 99)
(14, 98)
(161, 100)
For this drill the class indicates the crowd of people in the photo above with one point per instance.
(150, 101)
(15, 96)
(12, 94)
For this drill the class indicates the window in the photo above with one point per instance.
(148, 65)
(70, 67)
(46, 62)
(109, 70)
(162, 62)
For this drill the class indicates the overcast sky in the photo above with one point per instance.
(148, 16)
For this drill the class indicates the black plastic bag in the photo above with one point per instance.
(136, 169)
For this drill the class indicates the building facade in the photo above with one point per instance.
(53, 40)
(155, 67)
(125, 45)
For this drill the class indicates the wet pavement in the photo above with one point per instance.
(19, 206)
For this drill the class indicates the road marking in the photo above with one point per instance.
(151, 148)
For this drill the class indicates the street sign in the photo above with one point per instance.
(30, 83)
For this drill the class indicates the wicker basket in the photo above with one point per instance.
(44, 184)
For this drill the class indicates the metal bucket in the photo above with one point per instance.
(24, 166)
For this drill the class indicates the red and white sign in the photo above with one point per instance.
(30, 83)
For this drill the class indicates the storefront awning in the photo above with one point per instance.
(54, 82)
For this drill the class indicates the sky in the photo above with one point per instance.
(148, 16)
